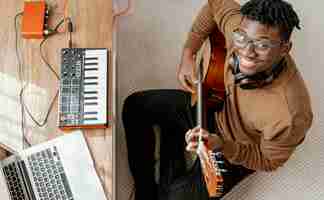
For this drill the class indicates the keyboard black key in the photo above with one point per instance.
(91, 58)
(90, 77)
(90, 92)
(91, 69)
(90, 64)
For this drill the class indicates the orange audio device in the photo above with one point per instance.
(33, 21)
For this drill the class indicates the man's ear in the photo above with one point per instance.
(285, 48)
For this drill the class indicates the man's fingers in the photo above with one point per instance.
(192, 135)
(197, 130)
(192, 146)
(186, 84)
(191, 81)
(187, 136)
(185, 80)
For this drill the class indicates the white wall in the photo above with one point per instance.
(149, 47)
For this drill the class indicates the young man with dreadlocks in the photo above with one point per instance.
(259, 126)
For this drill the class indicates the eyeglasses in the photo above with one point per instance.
(261, 46)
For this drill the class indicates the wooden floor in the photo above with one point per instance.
(93, 28)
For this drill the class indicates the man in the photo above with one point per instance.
(265, 116)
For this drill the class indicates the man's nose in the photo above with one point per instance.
(249, 50)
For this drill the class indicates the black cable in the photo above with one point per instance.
(44, 122)
(24, 107)
(41, 47)
(44, 59)
(70, 30)
(58, 25)
(39, 124)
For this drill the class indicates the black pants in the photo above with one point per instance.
(171, 110)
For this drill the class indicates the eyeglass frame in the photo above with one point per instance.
(271, 43)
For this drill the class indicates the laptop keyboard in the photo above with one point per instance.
(49, 176)
(14, 184)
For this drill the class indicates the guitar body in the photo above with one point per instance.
(213, 84)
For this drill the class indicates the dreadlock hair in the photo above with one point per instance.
(273, 13)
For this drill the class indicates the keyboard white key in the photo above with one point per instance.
(89, 73)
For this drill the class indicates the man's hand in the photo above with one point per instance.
(212, 141)
(185, 71)
(3, 153)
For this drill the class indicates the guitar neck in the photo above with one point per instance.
(200, 109)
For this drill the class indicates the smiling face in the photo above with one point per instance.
(258, 46)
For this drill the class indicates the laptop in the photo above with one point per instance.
(59, 169)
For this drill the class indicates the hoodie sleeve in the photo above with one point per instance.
(221, 14)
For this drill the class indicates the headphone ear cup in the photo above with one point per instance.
(235, 63)
(239, 78)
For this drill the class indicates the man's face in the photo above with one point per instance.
(258, 46)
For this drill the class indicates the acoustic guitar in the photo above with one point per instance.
(211, 95)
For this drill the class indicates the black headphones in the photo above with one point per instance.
(257, 80)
